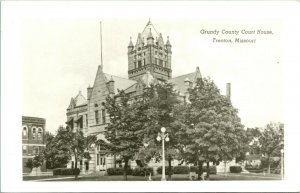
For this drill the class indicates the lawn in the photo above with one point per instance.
(175, 177)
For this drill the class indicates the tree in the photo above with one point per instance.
(213, 127)
(76, 144)
(271, 141)
(67, 142)
(35, 162)
(54, 155)
(56, 152)
(125, 130)
(160, 103)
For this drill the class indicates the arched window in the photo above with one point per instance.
(40, 134)
(33, 133)
(24, 131)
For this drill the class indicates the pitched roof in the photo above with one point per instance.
(80, 100)
(132, 88)
(120, 83)
(179, 80)
(149, 29)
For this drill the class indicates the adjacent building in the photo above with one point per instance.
(33, 139)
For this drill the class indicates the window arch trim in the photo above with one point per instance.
(39, 133)
(26, 130)
(33, 131)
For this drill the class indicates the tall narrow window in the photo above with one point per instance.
(98, 159)
(33, 133)
(144, 61)
(24, 131)
(96, 117)
(40, 134)
(103, 116)
(139, 63)
(86, 120)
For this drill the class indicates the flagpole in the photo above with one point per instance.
(101, 44)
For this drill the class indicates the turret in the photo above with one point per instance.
(169, 46)
(130, 46)
(139, 41)
(160, 40)
(150, 38)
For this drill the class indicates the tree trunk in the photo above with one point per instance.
(170, 167)
(225, 169)
(269, 166)
(125, 168)
(207, 170)
(200, 170)
(115, 163)
(76, 176)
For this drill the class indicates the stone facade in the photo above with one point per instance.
(33, 139)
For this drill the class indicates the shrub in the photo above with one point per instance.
(194, 169)
(118, 171)
(159, 170)
(235, 169)
(66, 171)
(212, 169)
(181, 170)
(142, 171)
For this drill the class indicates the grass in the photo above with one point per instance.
(175, 177)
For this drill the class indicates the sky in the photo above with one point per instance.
(60, 54)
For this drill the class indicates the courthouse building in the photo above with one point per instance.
(149, 61)
(33, 139)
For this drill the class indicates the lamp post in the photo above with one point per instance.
(281, 163)
(162, 136)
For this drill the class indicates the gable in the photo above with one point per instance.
(100, 90)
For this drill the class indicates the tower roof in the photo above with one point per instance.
(150, 29)
(130, 43)
(168, 42)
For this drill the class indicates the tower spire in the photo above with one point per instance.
(149, 22)
(101, 44)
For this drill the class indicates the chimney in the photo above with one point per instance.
(89, 92)
(228, 90)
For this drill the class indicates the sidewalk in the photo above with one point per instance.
(51, 179)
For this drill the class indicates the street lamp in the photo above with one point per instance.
(281, 163)
(162, 136)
